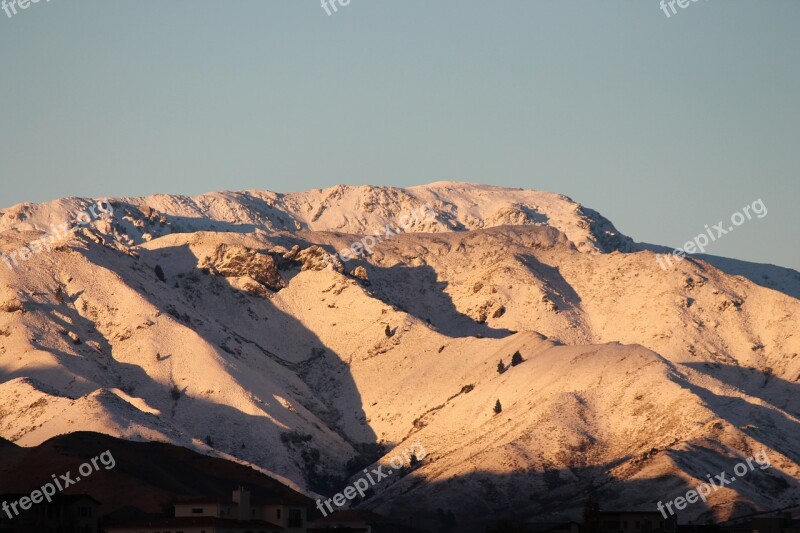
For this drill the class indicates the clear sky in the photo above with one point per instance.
(662, 124)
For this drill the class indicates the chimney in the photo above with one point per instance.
(242, 498)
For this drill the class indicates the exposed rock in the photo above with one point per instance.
(360, 272)
(249, 285)
(549, 305)
(234, 261)
(481, 314)
(316, 258)
(292, 254)
(11, 306)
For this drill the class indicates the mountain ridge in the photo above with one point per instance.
(211, 333)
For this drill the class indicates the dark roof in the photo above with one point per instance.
(205, 499)
(57, 498)
(254, 500)
(74, 498)
(193, 521)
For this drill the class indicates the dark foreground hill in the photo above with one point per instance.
(147, 476)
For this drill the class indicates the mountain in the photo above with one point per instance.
(345, 209)
(222, 323)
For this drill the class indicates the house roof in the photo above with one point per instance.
(193, 521)
(205, 500)
(254, 501)
(57, 498)
(74, 498)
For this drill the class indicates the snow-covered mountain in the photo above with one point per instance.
(213, 322)
(345, 209)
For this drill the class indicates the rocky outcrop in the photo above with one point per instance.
(254, 269)
(361, 273)
(316, 258)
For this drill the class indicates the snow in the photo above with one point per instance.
(637, 382)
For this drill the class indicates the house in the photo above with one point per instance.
(195, 524)
(241, 513)
(66, 513)
(292, 514)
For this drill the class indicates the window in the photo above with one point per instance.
(295, 518)
(197, 510)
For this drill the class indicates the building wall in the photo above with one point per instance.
(185, 509)
(269, 513)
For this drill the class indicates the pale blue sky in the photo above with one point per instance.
(663, 125)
